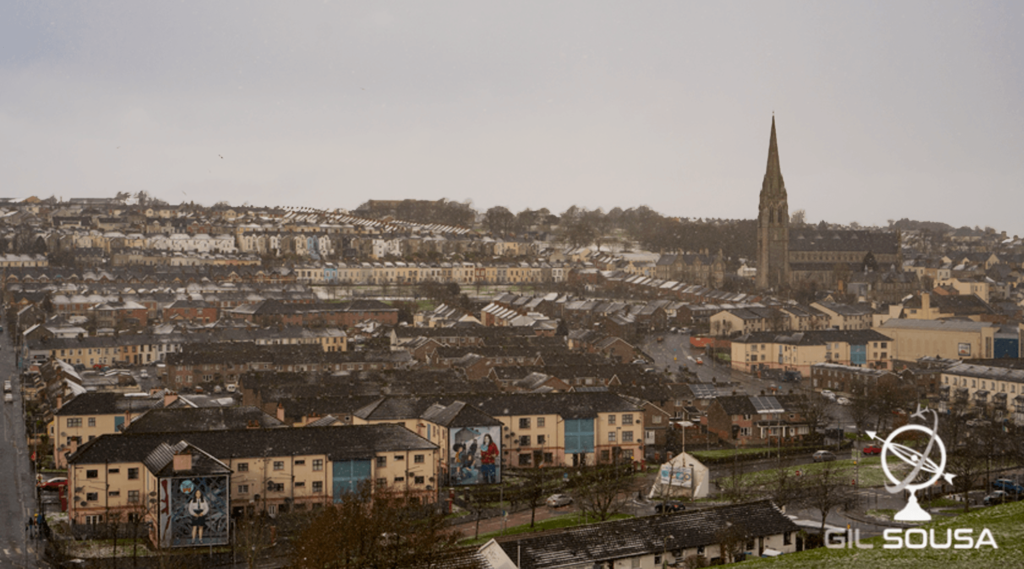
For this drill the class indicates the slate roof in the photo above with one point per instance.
(814, 239)
(611, 541)
(105, 403)
(338, 443)
(818, 337)
(201, 419)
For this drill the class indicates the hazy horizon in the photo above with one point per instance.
(883, 111)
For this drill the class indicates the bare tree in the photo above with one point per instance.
(827, 489)
(603, 490)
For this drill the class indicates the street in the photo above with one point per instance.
(17, 496)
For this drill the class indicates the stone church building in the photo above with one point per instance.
(790, 255)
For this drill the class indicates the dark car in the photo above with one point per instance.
(669, 506)
(997, 497)
(872, 450)
(823, 456)
(1008, 486)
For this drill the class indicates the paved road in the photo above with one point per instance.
(17, 494)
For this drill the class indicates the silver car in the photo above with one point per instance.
(559, 500)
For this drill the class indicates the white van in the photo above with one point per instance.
(7, 386)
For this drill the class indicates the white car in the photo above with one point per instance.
(559, 500)
(843, 401)
(828, 393)
(8, 398)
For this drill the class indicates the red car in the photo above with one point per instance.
(872, 450)
(53, 483)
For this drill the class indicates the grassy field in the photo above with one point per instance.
(567, 521)
(1005, 523)
(868, 472)
(726, 453)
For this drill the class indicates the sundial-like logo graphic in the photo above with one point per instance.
(923, 470)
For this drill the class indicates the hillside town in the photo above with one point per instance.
(269, 362)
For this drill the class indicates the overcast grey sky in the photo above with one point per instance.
(884, 110)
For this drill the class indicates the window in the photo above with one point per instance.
(318, 464)
(243, 467)
(605, 456)
(524, 423)
(611, 419)
(114, 471)
(419, 480)
(382, 461)
(541, 439)
(92, 421)
(300, 463)
(418, 459)
(627, 436)
(612, 438)
(92, 496)
(524, 440)
(93, 520)
(627, 419)
(746, 417)
(540, 422)
(399, 457)
(657, 419)
(381, 482)
(318, 487)
(300, 484)
(524, 459)
(549, 457)
(787, 538)
(133, 496)
(278, 465)
(399, 479)
(74, 423)
(114, 493)
(92, 473)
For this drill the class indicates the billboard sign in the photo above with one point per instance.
(474, 455)
(194, 511)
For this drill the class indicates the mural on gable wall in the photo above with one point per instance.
(475, 455)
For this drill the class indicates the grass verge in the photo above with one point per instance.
(566, 521)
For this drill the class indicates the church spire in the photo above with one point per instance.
(773, 183)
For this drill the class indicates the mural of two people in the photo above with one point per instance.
(475, 456)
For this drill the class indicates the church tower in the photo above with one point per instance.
(773, 224)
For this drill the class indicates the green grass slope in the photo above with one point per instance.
(1005, 522)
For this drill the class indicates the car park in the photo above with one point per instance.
(872, 450)
(559, 500)
(823, 456)
(669, 506)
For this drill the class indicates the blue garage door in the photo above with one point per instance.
(858, 354)
(579, 436)
(347, 476)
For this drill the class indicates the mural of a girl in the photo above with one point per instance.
(488, 460)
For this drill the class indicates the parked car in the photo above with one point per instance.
(669, 506)
(559, 500)
(1008, 486)
(8, 398)
(828, 393)
(843, 401)
(98, 366)
(997, 497)
(7, 386)
(700, 361)
(872, 450)
(144, 374)
(53, 483)
(823, 456)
